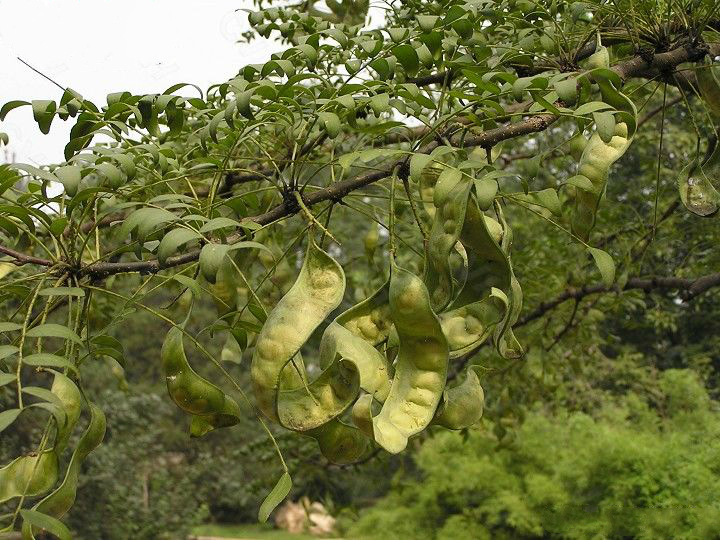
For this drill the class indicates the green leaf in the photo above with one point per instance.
(34, 171)
(47, 523)
(54, 330)
(173, 240)
(48, 360)
(7, 350)
(62, 291)
(407, 56)
(592, 107)
(44, 394)
(9, 106)
(582, 182)
(219, 223)
(380, 103)
(331, 123)
(69, 177)
(605, 264)
(44, 112)
(567, 90)
(190, 283)
(427, 22)
(8, 417)
(418, 162)
(548, 198)
(275, 497)
(6, 378)
(9, 326)
(146, 220)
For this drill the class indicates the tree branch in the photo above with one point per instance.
(335, 192)
(21, 258)
(689, 287)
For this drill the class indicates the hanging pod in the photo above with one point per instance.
(347, 354)
(421, 365)
(36, 474)
(606, 145)
(462, 405)
(57, 503)
(210, 406)
(697, 192)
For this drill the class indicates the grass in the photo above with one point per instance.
(249, 532)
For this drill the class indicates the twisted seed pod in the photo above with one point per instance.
(599, 156)
(57, 503)
(600, 58)
(370, 319)
(462, 405)
(29, 475)
(71, 398)
(421, 365)
(340, 443)
(317, 291)
(362, 415)
(595, 163)
(450, 201)
(225, 287)
(37, 474)
(697, 193)
(210, 406)
(468, 326)
(490, 275)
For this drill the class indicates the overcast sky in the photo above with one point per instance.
(101, 46)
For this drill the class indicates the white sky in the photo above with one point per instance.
(101, 46)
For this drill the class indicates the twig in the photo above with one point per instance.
(21, 258)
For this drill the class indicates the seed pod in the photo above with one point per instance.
(211, 407)
(371, 241)
(421, 365)
(57, 503)
(29, 475)
(462, 405)
(697, 193)
(595, 164)
(600, 58)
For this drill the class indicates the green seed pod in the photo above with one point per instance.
(57, 503)
(600, 58)
(450, 200)
(462, 406)
(576, 145)
(211, 407)
(697, 193)
(595, 164)
(29, 475)
(211, 259)
(340, 443)
(421, 365)
(317, 291)
(709, 88)
(69, 394)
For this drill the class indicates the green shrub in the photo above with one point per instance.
(629, 471)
